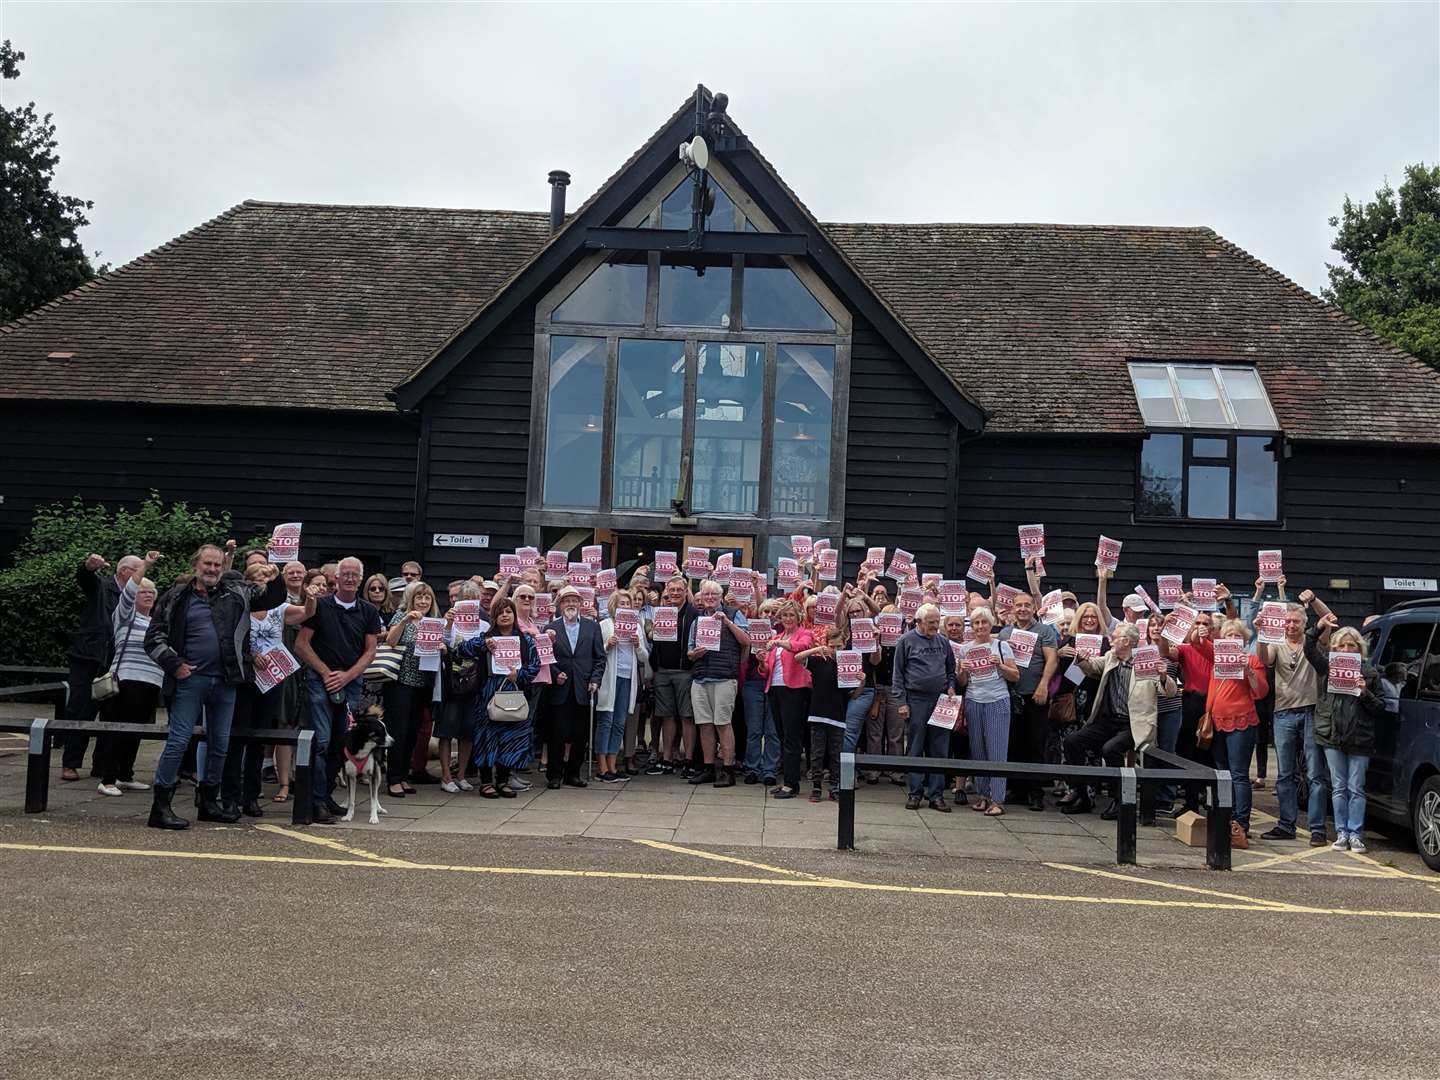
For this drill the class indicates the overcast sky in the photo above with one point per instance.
(1253, 119)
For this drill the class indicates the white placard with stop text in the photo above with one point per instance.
(1346, 674)
(863, 637)
(827, 564)
(1270, 623)
(1149, 665)
(1179, 624)
(557, 565)
(801, 548)
(826, 604)
(902, 565)
(1107, 554)
(982, 565)
(1089, 646)
(909, 601)
(742, 586)
(529, 557)
(761, 633)
(1170, 589)
(946, 713)
(979, 661)
(891, 627)
(580, 575)
(724, 567)
(1022, 644)
(544, 607)
(953, 596)
(1202, 594)
(1005, 597)
(1271, 565)
(787, 574)
(1149, 603)
(874, 559)
(849, 668)
(1052, 607)
(1229, 659)
(666, 566)
(274, 667)
(509, 566)
(465, 618)
(505, 656)
(627, 624)
(284, 543)
(707, 633)
(1032, 541)
(593, 555)
(605, 583)
(665, 624)
(544, 648)
(429, 636)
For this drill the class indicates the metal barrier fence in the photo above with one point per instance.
(1128, 784)
(42, 733)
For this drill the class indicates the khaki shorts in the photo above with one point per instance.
(713, 701)
(672, 694)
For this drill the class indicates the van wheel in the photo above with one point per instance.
(1427, 822)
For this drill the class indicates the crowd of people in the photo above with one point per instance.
(699, 673)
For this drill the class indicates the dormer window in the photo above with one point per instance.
(1213, 452)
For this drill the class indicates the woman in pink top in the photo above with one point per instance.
(787, 683)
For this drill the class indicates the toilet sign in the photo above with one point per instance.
(1411, 584)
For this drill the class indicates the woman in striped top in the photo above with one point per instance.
(1169, 709)
(140, 681)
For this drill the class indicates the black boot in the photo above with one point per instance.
(161, 816)
(252, 808)
(211, 808)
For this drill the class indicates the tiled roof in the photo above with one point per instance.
(331, 306)
(1037, 323)
(278, 304)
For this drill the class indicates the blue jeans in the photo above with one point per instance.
(327, 718)
(1295, 728)
(610, 723)
(857, 711)
(199, 694)
(1168, 736)
(1347, 783)
(926, 741)
(762, 740)
(1233, 751)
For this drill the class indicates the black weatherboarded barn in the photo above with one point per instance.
(406, 380)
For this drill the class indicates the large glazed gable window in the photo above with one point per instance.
(690, 388)
(1213, 452)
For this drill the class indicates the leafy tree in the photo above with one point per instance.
(1390, 280)
(40, 254)
(40, 602)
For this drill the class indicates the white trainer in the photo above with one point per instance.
(449, 785)
(108, 789)
(1342, 842)
(463, 784)
(132, 785)
(1357, 844)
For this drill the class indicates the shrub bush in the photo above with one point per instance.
(40, 602)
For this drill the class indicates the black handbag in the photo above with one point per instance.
(462, 678)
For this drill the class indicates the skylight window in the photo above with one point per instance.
(1202, 396)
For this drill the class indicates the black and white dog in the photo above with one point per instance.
(363, 742)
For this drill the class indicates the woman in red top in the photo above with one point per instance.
(1231, 705)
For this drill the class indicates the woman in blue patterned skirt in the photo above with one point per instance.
(500, 745)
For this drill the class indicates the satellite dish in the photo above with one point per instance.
(695, 153)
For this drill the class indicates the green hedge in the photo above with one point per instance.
(40, 602)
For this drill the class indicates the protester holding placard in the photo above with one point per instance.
(461, 674)
(256, 706)
(199, 633)
(501, 745)
(924, 669)
(1297, 691)
(858, 632)
(409, 694)
(762, 733)
(828, 700)
(987, 676)
(714, 683)
(670, 630)
(1230, 705)
(884, 729)
(1345, 719)
(787, 685)
(1123, 716)
(1031, 723)
(628, 653)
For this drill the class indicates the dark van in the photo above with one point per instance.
(1403, 785)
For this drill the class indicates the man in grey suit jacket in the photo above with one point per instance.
(579, 667)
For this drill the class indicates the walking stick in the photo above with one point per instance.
(590, 751)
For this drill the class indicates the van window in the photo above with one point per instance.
(1406, 647)
(1430, 680)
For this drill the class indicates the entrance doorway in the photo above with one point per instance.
(630, 549)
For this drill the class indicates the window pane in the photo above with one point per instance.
(1406, 646)
(1256, 479)
(804, 403)
(1247, 398)
(1161, 459)
(1211, 448)
(1152, 391)
(613, 295)
(775, 299)
(1209, 491)
(1430, 680)
(575, 424)
(649, 412)
(724, 216)
(729, 411)
(695, 296)
(1201, 396)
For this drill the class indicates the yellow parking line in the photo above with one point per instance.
(327, 842)
(1269, 907)
(1279, 905)
(717, 857)
(1289, 857)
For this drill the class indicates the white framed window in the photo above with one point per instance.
(1203, 396)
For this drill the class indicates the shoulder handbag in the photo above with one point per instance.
(386, 665)
(509, 706)
(1204, 731)
(104, 687)
(1062, 710)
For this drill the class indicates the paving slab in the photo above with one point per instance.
(628, 832)
(650, 820)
